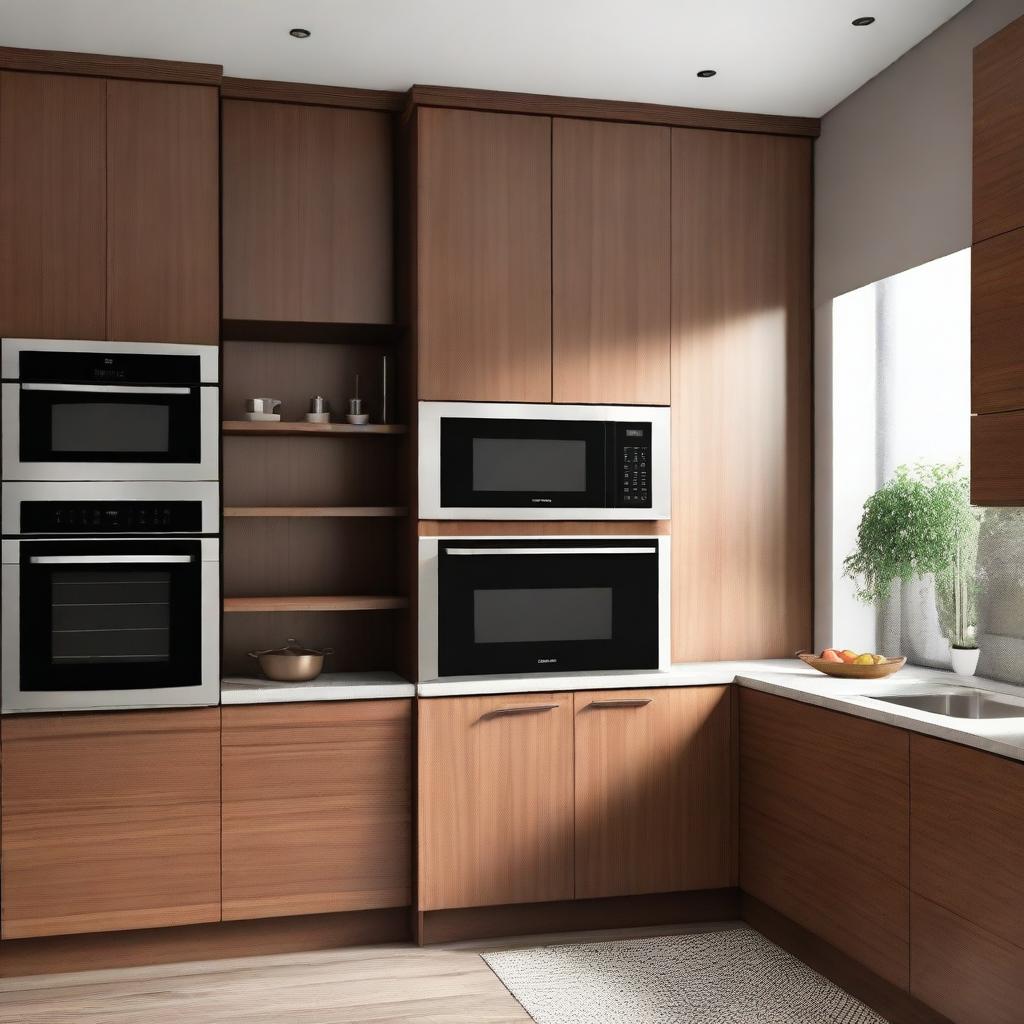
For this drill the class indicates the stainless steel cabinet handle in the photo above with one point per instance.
(551, 551)
(105, 389)
(521, 709)
(620, 702)
(109, 559)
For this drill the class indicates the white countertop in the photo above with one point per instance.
(785, 678)
(328, 686)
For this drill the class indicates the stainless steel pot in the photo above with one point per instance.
(291, 664)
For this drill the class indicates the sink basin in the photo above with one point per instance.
(965, 704)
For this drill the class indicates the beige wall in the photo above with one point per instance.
(893, 164)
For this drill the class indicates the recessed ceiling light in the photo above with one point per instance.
(707, 73)
(861, 22)
(300, 33)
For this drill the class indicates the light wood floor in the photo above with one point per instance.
(396, 984)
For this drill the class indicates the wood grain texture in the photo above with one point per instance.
(997, 458)
(311, 331)
(495, 801)
(483, 256)
(317, 808)
(110, 821)
(653, 791)
(316, 95)
(307, 213)
(963, 971)
(894, 1004)
(609, 110)
(163, 229)
(300, 428)
(741, 396)
(317, 511)
(339, 603)
(106, 66)
(967, 834)
(842, 779)
(200, 942)
(611, 262)
(554, 528)
(665, 909)
(52, 206)
(997, 323)
(999, 132)
(824, 826)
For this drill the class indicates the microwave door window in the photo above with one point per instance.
(552, 615)
(529, 465)
(95, 427)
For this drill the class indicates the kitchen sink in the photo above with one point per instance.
(965, 704)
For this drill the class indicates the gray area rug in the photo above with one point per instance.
(723, 977)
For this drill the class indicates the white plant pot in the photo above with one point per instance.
(965, 662)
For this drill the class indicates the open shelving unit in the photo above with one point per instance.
(312, 534)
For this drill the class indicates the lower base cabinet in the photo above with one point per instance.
(317, 807)
(110, 821)
(557, 796)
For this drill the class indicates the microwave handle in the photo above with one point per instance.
(109, 559)
(551, 551)
(107, 389)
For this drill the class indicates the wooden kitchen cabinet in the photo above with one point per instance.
(999, 133)
(654, 791)
(997, 458)
(611, 270)
(52, 206)
(163, 255)
(495, 800)
(741, 395)
(110, 821)
(483, 255)
(825, 826)
(308, 200)
(317, 807)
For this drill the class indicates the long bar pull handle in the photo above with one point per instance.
(109, 559)
(551, 551)
(520, 709)
(107, 389)
(621, 702)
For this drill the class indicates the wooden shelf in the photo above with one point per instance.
(344, 603)
(316, 511)
(285, 331)
(283, 428)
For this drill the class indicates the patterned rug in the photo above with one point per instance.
(724, 977)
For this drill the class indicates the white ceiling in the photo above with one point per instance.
(787, 57)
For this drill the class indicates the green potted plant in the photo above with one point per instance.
(921, 521)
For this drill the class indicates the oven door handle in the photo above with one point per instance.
(109, 559)
(551, 551)
(107, 389)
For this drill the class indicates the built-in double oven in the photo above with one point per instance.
(110, 514)
(552, 599)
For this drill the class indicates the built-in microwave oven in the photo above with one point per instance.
(510, 605)
(96, 410)
(482, 460)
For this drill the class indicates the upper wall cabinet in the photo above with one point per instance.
(741, 395)
(999, 133)
(108, 209)
(483, 256)
(308, 202)
(52, 206)
(163, 281)
(611, 262)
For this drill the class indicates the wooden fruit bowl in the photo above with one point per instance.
(843, 670)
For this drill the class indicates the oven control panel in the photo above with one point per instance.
(633, 465)
(111, 517)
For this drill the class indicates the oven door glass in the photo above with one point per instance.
(109, 423)
(490, 463)
(547, 606)
(110, 615)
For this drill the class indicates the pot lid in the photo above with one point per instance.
(294, 649)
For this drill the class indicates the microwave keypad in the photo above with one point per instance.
(635, 475)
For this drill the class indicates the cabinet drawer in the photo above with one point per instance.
(495, 800)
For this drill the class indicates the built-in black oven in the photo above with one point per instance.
(498, 461)
(110, 595)
(512, 605)
(102, 411)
